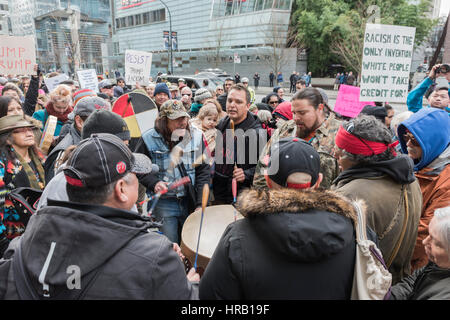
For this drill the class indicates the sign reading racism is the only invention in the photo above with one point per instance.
(386, 62)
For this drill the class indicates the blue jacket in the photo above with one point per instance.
(415, 97)
(159, 153)
(431, 128)
(42, 116)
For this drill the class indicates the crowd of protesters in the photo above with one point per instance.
(298, 220)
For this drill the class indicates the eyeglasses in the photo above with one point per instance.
(187, 94)
(22, 130)
(409, 136)
(273, 102)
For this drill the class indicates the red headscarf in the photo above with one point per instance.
(51, 111)
(355, 145)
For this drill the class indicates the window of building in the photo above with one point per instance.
(282, 4)
(130, 21)
(123, 22)
(146, 17)
(138, 19)
(118, 23)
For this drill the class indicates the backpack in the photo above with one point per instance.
(371, 278)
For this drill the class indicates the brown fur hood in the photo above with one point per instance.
(252, 202)
(307, 226)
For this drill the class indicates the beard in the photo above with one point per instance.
(304, 132)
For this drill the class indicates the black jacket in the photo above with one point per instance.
(29, 105)
(132, 261)
(244, 159)
(291, 245)
(427, 283)
(222, 99)
(73, 137)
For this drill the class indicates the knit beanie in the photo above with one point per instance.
(104, 121)
(162, 87)
(77, 96)
(202, 94)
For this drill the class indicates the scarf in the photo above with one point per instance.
(32, 178)
(62, 117)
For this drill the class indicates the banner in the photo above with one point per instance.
(88, 79)
(166, 40)
(237, 58)
(174, 41)
(138, 65)
(347, 101)
(17, 55)
(386, 62)
(52, 83)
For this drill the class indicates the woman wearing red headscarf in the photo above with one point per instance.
(373, 172)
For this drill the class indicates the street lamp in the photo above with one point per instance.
(170, 36)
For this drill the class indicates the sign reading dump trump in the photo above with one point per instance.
(17, 55)
(386, 62)
(138, 65)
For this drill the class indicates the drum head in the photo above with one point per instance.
(138, 111)
(215, 220)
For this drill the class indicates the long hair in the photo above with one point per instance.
(162, 128)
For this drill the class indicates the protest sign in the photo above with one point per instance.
(138, 65)
(17, 55)
(347, 101)
(88, 79)
(52, 83)
(386, 62)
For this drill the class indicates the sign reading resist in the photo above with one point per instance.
(138, 65)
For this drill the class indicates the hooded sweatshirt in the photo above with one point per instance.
(431, 128)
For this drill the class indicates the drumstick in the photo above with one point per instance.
(234, 190)
(205, 198)
(233, 181)
(173, 185)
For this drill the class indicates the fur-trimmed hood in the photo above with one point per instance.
(308, 225)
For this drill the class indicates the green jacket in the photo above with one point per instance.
(323, 142)
(427, 283)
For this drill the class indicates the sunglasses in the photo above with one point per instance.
(273, 102)
(107, 87)
(409, 136)
(186, 94)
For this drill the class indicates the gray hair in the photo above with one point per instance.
(399, 118)
(369, 128)
(264, 115)
(442, 216)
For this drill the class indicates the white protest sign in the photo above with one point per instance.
(88, 79)
(17, 55)
(138, 65)
(386, 62)
(53, 82)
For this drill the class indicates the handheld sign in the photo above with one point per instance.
(17, 55)
(88, 79)
(386, 62)
(48, 133)
(138, 65)
(347, 101)
(52, 83)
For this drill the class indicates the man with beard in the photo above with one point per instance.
(310, 123)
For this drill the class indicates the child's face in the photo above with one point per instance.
(209, 122)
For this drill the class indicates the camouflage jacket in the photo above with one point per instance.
(323, 142)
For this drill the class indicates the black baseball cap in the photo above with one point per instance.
(105, 121)
(293, 155)
(102, 159)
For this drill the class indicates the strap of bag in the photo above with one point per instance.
(361, 232)
(402, 234)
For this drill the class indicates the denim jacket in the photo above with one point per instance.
(160, 155)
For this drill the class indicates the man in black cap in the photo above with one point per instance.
(78, 116)
(294, 240)
(94, 247)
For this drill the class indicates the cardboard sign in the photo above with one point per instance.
(53, 82)
(88, 79)
(17, 55)
(386, 63)
(347, 101)
(138, 65)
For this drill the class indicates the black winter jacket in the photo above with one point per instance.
(427, 283)
(245, 159)
(132, 261)
(291, 244)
